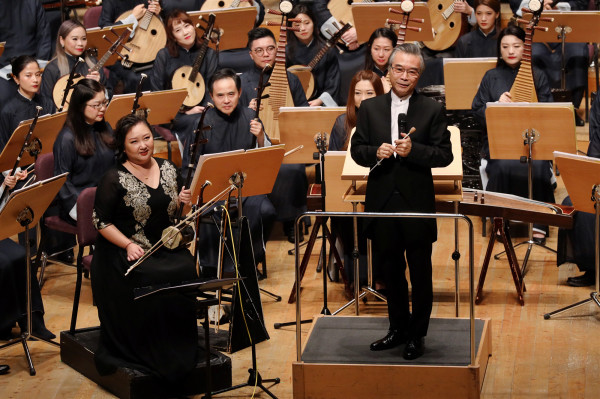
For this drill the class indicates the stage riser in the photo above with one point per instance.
(77, 351)
(349, 380)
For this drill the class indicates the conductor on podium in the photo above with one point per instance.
(402, 182)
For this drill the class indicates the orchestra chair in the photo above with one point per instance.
(86, 237)
(91, 17)
(169, 138)
(44, 169)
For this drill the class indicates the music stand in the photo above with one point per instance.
(24, 209)
(42, 140)
(298, 127)
(370, 16)
(252, 172)
(447, 186)
(580, 173)
(199, 287)
(232, 24)
(159, 106)
(569, 27)
(98, 45)
(514, 128)
(462, 77)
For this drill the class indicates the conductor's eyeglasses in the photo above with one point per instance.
(260, 51)
(400, 70)
(99, 106)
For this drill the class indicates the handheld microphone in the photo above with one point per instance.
(401, 125)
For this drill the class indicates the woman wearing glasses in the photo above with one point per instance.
(84, 146)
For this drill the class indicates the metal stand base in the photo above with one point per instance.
(530, 244)
(593, 298)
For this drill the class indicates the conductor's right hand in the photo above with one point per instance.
(385, 151)
(134, 251)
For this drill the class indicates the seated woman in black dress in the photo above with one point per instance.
(502, 175)
(364, 84)
(303, 45)
(481, 41)
(84, 146)
(379, 48)
(22, 106)
(71, 44)
(13, 277)
(135, 201)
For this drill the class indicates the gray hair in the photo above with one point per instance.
(408, 48)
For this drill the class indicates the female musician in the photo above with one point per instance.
(27, 75)
(379, 48)
(84, 146)
(481, 42)
(182, 49)
(135, 201)
(13, 277)
(302, 47)
(510, 176)
(364, 84)
(71, 44)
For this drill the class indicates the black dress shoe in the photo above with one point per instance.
(391, 340)
(578, 120)
(4, 368)
(288, 230)
(585, 280)
(539, 240)
(414, 348)
(66, 256)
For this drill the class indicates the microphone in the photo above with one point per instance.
(401, 125)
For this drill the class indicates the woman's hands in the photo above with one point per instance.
(134, 251)
(185, 196)
(11, 181)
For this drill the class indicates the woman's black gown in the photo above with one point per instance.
(156, 334)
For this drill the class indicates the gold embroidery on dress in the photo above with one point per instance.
(136, 197)
(99, 224)
(168, 180)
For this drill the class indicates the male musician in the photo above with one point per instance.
(289, 191)
(232, 127)
(403, 183)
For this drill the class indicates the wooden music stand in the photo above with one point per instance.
(582, 174)
(528, 132)
(97, 44)
(370, 16)
(299, 125)
(160, 106)
(462, 77)
(232, 23)
(43, 137)
(24, 209)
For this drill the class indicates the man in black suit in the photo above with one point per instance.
(403, 183)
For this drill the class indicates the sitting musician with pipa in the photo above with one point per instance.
(502, 175)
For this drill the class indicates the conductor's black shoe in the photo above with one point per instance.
(414, 348)
(586, 279)
(391, 340)
(4, 368)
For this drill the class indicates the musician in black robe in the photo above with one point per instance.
(113, 9)
(22, 105)
(482, 40)
(84, 146)
(503, 175)
(577, 244)
(135, 201)
(289, 192)
(71, 45)
(301, 49)
(25, 30)
(13, 277)
(232, 127)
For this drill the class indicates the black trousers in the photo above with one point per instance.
(392, 251)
